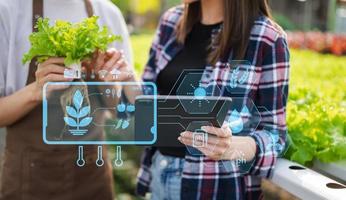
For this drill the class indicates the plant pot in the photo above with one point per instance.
(73, 71)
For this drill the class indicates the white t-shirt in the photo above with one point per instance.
(16, 26)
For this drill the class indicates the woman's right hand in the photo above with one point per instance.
(52, 70)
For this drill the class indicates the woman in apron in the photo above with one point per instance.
(32, 169)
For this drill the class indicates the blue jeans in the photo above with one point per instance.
(166, 177)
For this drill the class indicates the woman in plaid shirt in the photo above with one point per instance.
(240, 30)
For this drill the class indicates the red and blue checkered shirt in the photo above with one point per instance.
(267, 86)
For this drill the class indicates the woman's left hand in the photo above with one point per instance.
(218, 145)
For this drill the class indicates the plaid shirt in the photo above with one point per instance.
(267, 87)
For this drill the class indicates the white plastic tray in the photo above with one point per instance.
(306, 183)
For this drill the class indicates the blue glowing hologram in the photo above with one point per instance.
(78, 115)
(238, 165)
(199, 138)
(99, 162)
(80, 160)
(239, 73)
(121, 107)
(235, 122)
(236, 79)
(122, 124)
(153, 130)
(118, 162)
(275, 142)
(130, 108)
(191, 83)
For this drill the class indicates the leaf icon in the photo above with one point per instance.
(84, 111)
(125, 124)
(71, 122)
(71, 111)
(85, 122)
(244, 77)
(119, 124)
(78, 99)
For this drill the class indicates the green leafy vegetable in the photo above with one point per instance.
(75, 42)
(316, 112)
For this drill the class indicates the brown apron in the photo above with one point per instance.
(34, 170)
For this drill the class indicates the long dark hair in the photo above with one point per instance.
(239, 16)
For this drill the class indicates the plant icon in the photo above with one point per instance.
(275, 144)
(77, 115)
(235, 80)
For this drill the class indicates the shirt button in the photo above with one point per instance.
(163, 163)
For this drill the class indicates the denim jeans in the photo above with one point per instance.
(166, 177)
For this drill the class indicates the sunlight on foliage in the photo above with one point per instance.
(64, 39)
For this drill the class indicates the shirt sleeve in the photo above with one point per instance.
(271, 134)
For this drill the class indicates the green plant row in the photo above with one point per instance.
(316, 111)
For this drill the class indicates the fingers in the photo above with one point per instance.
(47, 69)
(53, 78)
(224, 131)
(99, 60)
(52, 60)
(214, 145)
(116, 58)
(214, 152)
(210, 140)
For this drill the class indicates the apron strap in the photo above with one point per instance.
(89, 8)
(37, 12)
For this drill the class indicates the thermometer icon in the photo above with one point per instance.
(99, 162)
(118, 161)
(80, 162)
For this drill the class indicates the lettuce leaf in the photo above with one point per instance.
(74, 42)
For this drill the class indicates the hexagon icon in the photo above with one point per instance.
(243, 117)
(200, 137)
(239, 73)
(239, 165)
(274, 132)
(191, 85)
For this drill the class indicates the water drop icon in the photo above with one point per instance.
(245, 111)
(236, 122)
(125, 124)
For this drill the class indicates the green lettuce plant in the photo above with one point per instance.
(74, 42)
